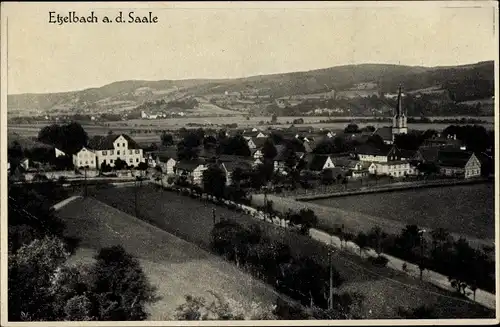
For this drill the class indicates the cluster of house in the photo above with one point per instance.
(447, 154)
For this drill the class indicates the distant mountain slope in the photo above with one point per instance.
(463, 83)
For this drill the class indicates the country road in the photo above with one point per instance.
(482, 297)
(354, 222)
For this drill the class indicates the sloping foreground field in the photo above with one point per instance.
(384, 290)
(175, 267)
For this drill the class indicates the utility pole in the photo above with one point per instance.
(265, 203)
(135, 195)
(213, 214)
(86, 188)
(421, 232)
(330, 264)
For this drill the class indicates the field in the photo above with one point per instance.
(384, 289)
(156, 126)
(175, 267)
(454, 208)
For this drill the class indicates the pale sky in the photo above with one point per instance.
(226, 40)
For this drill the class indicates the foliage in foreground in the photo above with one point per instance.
(198, 308)
(43, 288)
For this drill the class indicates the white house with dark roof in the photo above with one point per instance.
(459, 163)
(320, 162)
(112, 147)
(85, 158)
(396, 168)
(192, 170)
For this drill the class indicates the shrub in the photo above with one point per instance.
(380, 261)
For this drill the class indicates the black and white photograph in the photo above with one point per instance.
(249, 163)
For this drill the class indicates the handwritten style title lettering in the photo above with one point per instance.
(73, 17)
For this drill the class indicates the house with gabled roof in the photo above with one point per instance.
(112, 147)
(252, 134)
(280, 158)
(85, 158)
(165, 159)
(371, 153)
(354, 167)
(229, 165)
(429, 154)
(192, 170)
(251, 144)
(459, 163)
(395, 168)
(319, 162)
(385, 133)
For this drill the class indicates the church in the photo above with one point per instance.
(399, 123)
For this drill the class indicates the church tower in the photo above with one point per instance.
(399, 121)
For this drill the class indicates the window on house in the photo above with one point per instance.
(123, 144)
(104, 153)
(111, 161)
(91, 162)
(112, 152)
(136, 151)
(136, 159)
(86, 162)
(118, 152)
(131, 160)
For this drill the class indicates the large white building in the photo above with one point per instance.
(106, 150)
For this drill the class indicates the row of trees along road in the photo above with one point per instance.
(302, 278)
(464, 265)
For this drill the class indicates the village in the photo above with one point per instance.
(332, 157)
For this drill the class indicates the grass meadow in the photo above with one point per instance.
(174, 266)
(384, 290)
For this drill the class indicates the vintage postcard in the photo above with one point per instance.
(249, 163)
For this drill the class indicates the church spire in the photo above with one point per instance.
(399, 107)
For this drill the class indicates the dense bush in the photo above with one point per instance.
(380, 261)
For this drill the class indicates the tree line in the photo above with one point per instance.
(464, 265)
